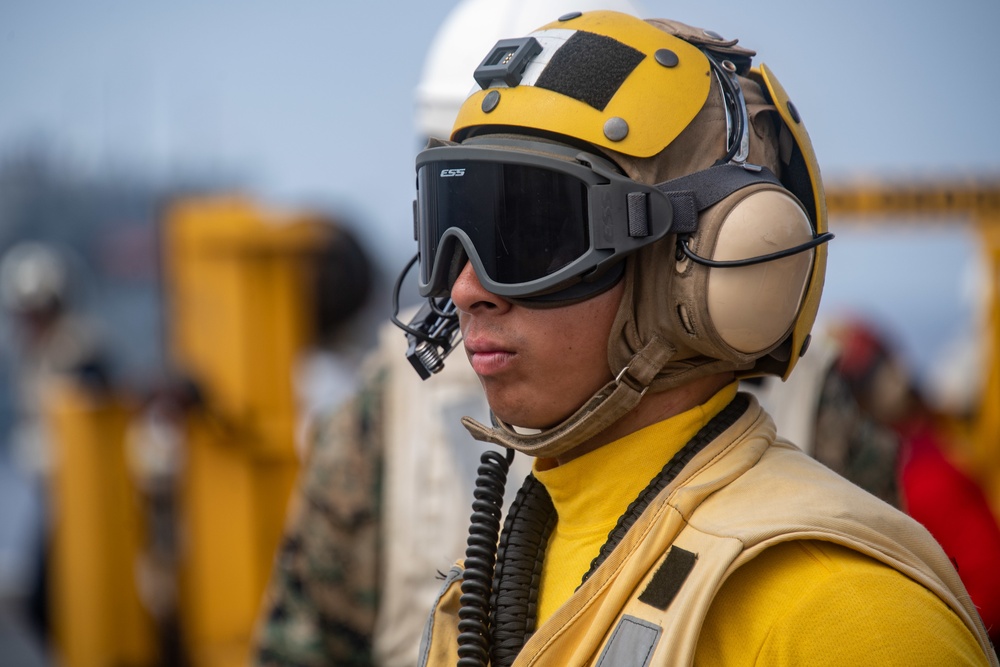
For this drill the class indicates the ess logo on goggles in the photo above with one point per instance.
(530, 223)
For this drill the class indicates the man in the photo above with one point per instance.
(631, 219)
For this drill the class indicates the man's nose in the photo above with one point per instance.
(469, 294)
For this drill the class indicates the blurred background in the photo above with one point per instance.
(177, 179)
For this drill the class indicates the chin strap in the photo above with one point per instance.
(607, 406)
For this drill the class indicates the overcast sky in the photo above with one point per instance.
(311, 103)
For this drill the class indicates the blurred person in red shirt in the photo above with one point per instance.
(935, 491)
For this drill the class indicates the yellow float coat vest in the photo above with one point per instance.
(743, 493)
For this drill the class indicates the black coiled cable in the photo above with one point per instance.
(480, 559)
(518, 571)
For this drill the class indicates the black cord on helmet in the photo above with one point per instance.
(737, 118)
(684, 250)
(394, 316)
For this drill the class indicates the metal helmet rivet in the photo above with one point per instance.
(805, 345)
(712, 34)
(491, 101)
(570, 16)
(728, 66)
(794, 113)
(615, 129)
(666, 57)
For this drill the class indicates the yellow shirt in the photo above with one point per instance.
(802, 602)
(590, 493)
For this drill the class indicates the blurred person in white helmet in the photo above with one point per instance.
(49, 340)
(627, 219)
(385, 490)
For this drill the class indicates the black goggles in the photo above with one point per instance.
(531, 223)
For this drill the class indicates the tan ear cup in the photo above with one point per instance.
(742, 312)
(753, 308)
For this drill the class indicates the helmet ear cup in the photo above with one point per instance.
(740, 313)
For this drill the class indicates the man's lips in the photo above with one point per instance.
(488, 357)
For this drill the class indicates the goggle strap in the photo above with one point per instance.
(606, 407)
(685, 211)
(696, 192)
(638, 214)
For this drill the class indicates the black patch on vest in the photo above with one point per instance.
(669, 578)
(590, 68)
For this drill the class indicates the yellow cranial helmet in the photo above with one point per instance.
(687, 171)
(664, 100)
(601, 77)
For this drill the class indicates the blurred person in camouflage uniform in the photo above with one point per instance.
(385, 494)
(816, 408)
(379, 513)
(933, 488)
(323, 594)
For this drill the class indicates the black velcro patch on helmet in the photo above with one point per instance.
(589, 68)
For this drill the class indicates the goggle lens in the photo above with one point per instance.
(524, 222)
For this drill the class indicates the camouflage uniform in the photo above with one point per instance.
(817, 410)
(852, 443)
(382, 507)
(321, 604)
